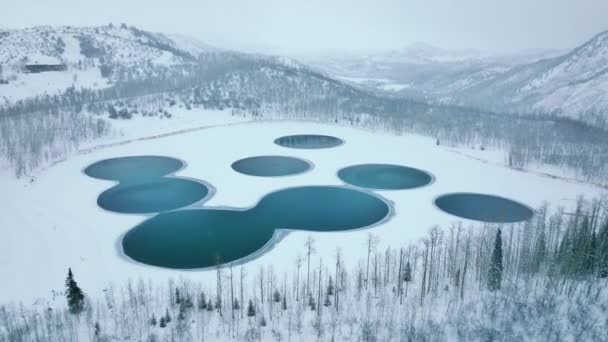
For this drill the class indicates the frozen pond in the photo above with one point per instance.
(152, 195)
(199, 238)
(309, 141)
(384, 176)
(133, 168)
(482, 207)
(271, 166)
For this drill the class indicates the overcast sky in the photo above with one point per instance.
(292, 26)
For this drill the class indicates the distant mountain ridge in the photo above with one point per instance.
(572, 84)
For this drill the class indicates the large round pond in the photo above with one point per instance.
(133, 168)
(152, 195)
(200, 238)
(271, 166)
(482, 207)
(384, 176)
(308, 141)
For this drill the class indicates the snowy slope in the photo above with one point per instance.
(572, 84)
(90, 54)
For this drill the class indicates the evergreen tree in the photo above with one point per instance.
(178, 299)
(74, 294)
(163, 322)
(202, 302)
(236, 305)
(407, 272)
(262, 321)
(167, 316)
(153, 320)
(97, 329)
(330, 287)
(218, 303)
(495, 272)
(276, 296)
(188, 304)
(327, 302)
(311, 303)
(603, 250)
(284, 304)
(210, 305)
(250, 309)
(182, 313)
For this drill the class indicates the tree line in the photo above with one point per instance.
(543, 279)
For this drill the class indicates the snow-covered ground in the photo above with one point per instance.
(53, 222)
(27, 85)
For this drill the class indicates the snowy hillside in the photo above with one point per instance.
(48, 60)
(572, 84)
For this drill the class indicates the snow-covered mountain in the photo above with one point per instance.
(569, 84)
(573, 85)
(47, 60)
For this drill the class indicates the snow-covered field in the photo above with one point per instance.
(53, 222)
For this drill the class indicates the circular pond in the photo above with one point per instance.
(187, 239)
(153, 195)
(384, 176)
(271, 166)
(308, 141)
(133, 168)
(486, 208)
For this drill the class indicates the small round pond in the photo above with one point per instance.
(152, 195)
(482, 207)
(271, 166)
(199, 238)
(308, 141)
(384, 176)
(133, 168)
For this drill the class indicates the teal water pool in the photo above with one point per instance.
(385, 176)
(271, 166)
(199, 238)
(483, 207)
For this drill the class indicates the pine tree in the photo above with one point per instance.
(330, 287)
(495, 272)
(202, 302)
(210, 305)
(188, 304)
(250, 309)
(182, 313)
(327, 302)
(153, 320)
(74, 294)
(236, 305)
(163, 322)
(284, 304)
(178, 299)
(407, 272)
(311, 303)
(97, 329)
(276, 296)
(603, 250)
(167, 316)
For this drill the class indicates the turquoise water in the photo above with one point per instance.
(206, 237)
(384, 176)
(486, 208)
(152, 195)
(133, 168)
(271, 166)
(308, 141)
